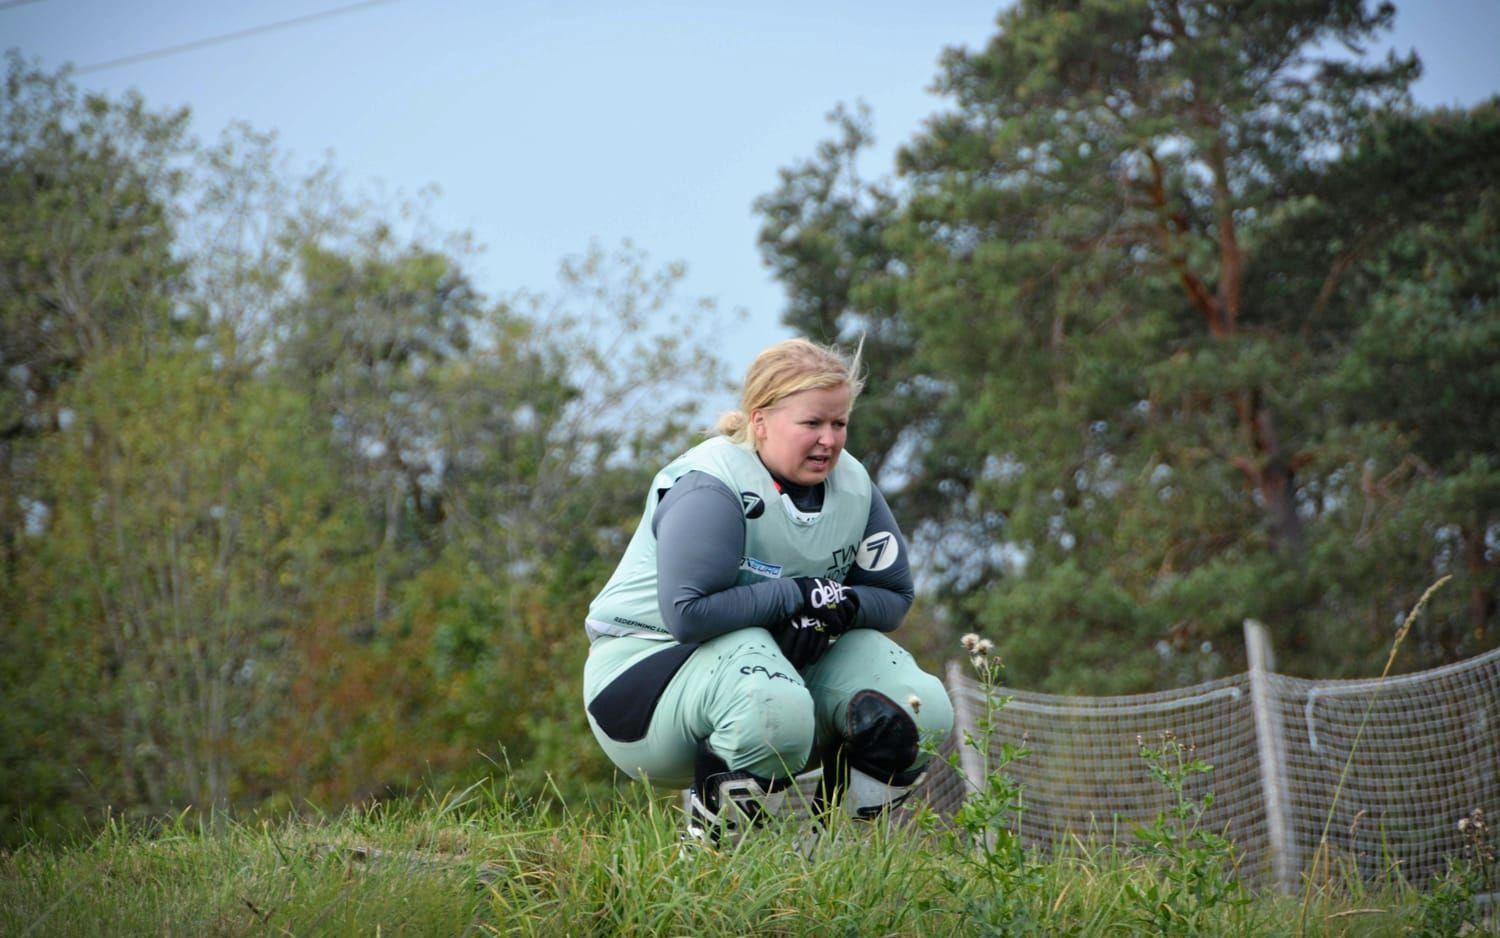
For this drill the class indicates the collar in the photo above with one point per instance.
(801, 500)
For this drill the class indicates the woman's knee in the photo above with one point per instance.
(770, 731)
(762, 720)
(893, 713)
(930, 706)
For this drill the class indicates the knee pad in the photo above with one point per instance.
(724, 804)
(881, 739)
(874, 767)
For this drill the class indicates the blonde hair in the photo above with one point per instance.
(788, 368)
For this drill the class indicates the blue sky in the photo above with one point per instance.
(550, 124)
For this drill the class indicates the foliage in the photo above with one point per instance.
(1452, 905)
(1176, 316)
(1192, 871)
(984, 833)
(1180, 305)
(293, 516)
(487, 860)
(191, 519)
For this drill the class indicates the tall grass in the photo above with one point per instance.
(483, 861)
(480, 863)
(1319, 873)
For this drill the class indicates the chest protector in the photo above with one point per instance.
(780, 541)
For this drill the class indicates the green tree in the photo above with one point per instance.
(1419, 475)
(86, 268)
(366, 340)
(539, 438)
(191, 513)
(291, 512)
(85, 254)
(1128, 264)
(824, 237)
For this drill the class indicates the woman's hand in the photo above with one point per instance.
(830, 602)
(802, 640)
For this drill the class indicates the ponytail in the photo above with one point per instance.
(734, 424)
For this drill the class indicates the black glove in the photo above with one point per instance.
(803, 640)
(829, 601)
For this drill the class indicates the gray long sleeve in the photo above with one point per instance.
(881, 574)
(700, 539)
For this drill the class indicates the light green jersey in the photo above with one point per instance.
(780, 541)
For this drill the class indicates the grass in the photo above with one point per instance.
(1321, 857)
(480, 863)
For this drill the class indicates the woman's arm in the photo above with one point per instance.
(700, 540)
(881, 574)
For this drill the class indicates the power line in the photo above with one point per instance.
(226, 37)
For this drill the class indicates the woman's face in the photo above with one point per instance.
(801, 437)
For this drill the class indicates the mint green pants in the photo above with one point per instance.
(755, 710)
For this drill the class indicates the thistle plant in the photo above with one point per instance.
(1191, 869)
(1450, 907)
(1479, 852)
(995, 873)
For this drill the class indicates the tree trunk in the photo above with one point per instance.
(1269, 471)
(1481, 600)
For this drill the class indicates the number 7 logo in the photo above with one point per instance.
(878, 551)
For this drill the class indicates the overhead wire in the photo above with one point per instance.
(224, 37)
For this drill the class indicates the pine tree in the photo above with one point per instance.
(1131, 265)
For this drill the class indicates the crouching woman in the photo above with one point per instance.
(744, 636)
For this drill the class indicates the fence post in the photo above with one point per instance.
(964, 721)
(1272, 752)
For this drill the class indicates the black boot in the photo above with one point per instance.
(724, 804)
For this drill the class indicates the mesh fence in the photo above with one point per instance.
(1427, 754)
(1083, 774)
(943, 788)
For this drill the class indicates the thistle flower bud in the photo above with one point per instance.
(984, 646)
(915, 703)
(969, 642)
